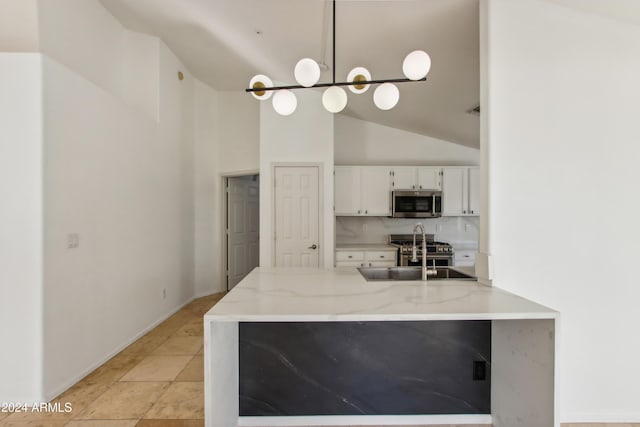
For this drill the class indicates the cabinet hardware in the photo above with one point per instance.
(381, 256)
(358, 212)
(314, 246)
(366, 212)
(350, 256)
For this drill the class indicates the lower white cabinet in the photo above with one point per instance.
(464, 258)
(366, 258)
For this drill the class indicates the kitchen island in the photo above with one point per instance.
(522, 341)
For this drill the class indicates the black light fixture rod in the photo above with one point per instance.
(371, 82)
(333, 64)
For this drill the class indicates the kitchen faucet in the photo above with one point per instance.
(414, 253)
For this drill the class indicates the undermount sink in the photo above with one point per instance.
(410, 273)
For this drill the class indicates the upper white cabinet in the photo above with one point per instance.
(362, 190)
(460, 191)
(416, 178)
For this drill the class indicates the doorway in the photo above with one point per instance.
(242, 227)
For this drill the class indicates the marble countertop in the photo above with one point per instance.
(342, 294)
(364, 247)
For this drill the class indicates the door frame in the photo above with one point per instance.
(321, 215)
(224, 179)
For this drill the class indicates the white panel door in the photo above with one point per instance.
(243, 228)
(297, 216)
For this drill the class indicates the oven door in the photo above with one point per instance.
(440, 261)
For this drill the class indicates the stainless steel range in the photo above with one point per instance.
(438, 253)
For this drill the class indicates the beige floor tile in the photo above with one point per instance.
(170, 423)
(145, 345)
(182, 400)
(102, 423)
(194, 371)
(79, 396)
(175, 346)
(125, 401)
(195, 328)
(114, 369)
(157, 368)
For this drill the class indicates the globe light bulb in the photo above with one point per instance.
(284, 102)
(359, 74)
(334, 99)
(261, 81)
(307, 72)
(416, 65)
(386, 96)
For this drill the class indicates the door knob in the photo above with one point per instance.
(314, 246)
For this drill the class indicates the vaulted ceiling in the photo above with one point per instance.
(226, 42)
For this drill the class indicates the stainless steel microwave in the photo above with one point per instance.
(416, 204)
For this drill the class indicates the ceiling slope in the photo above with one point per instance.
(225, 42)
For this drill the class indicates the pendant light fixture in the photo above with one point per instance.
(415, 67)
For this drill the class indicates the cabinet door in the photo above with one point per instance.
(454, 194)
(375, 190)
(474, 191)
(404, 178)
(429, 179)
(346, 191)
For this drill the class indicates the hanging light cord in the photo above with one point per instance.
(334, 83)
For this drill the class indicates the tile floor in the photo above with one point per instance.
(158, 381)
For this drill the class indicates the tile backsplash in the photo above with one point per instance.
(361, 229)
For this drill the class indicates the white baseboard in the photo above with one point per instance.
(364, 420)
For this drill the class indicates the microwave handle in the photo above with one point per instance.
(433, 205)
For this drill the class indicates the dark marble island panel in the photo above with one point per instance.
(364, 368)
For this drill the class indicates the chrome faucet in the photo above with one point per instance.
(414, 253)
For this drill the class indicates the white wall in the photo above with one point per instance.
(563, 149)
(124, 184)
(305, 136)
(358, 142)
(118, 171)
(21, 227)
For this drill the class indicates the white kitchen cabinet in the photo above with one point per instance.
(460, 191)
(366, 258)
(464, 258)
(362, 190)
(416, 178)
(346, 192)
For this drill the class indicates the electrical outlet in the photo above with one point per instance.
(438, 228)
(364, 228)
(467, 228)
(479, 370)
